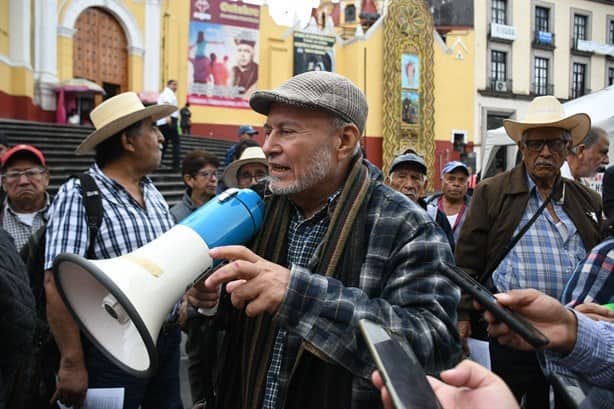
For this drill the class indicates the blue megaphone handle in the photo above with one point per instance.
(232, 217)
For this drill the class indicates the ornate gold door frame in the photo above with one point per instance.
(408, 101)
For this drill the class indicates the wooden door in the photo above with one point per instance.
(100, 50)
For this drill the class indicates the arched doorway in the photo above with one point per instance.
(100, 54)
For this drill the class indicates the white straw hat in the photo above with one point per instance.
(546, 112)
(118, 113)
(253, 154)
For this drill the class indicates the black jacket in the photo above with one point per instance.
(17, 318)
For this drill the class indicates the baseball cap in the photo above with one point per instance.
(248, 129)
(451, 166)
(318, 90)
(409, 158)
(23, 148)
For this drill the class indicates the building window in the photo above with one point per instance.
(498, 69)
(610, 75)
(542, 19)
(350, 13)
(578, 80)
(498, 11)
(541, 76)
(611, 31)
(580, 23)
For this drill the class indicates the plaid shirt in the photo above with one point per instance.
(304, 235)
(125, 227)
(543, 258)
(592, 280)
(401, 287)
(19, 230)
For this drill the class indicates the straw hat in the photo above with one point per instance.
(253, 154)
(118, 113)
(546, 112)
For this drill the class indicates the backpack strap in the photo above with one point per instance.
(92, 201)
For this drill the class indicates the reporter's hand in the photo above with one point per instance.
(596, 312)
(547, 314)
(71, 386)
(469, 385)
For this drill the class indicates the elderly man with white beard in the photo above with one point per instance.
(336, 246)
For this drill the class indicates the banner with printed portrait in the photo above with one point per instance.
(313, 52)
(223, 52)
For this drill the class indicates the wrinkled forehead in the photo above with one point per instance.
(545, 133)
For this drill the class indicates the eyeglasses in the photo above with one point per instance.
(248, 176)
(206, 174)
(555, 145)
(14, 175)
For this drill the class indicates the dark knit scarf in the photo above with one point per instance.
(249, 341)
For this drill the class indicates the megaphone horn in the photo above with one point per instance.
(122, 303)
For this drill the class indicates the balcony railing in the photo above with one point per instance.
(502, 32)
(577, 92)
(500, 86)
(543, 39)
(538, 88)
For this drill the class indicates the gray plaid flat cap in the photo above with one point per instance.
(320, 90)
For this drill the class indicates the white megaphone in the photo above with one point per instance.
(121, 303)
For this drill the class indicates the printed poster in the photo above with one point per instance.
(223, 52)
(313, 52)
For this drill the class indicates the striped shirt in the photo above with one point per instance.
(126, 225)
(547, 253)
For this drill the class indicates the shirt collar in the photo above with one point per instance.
(328, 208)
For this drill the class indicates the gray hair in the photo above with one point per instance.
(593, 136)
(566, 135)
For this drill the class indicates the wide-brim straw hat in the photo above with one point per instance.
(253, 154)
(548, 112)
(118, 113)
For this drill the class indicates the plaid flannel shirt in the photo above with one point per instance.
(125, 227)
(401, 287)
(543, 258)
(19, 230)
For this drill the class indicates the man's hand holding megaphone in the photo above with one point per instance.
(253, 283)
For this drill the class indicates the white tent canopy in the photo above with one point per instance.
(599, 106)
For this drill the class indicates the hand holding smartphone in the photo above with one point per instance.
(482, 295)
(402, 373)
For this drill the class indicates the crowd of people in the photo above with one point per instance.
(276, 327)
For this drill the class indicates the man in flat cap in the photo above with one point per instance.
(336, 246)
(127, 147)
(553, 222)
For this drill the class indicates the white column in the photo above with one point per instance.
(19, 27)
(151, 62)
(45, 52)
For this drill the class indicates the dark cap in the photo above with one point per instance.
(452, 166)
(410, 159)
(319, 90)
(20, 149)
(248, 129)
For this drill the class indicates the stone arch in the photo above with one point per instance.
(118, 10)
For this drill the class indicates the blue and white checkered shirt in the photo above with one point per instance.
(545, 256)
(304, 236)
(125, 227)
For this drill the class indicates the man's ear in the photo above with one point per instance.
(127, 143)
(580, 149)
(348, 138)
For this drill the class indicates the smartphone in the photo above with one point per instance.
(482, 295)
(402, 373)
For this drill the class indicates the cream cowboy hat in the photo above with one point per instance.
(546, 112)
(118, 113)
(253, 154)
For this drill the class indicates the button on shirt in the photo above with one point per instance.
(126, 225)
(546, 255)
(304, 236)
(17, 227)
